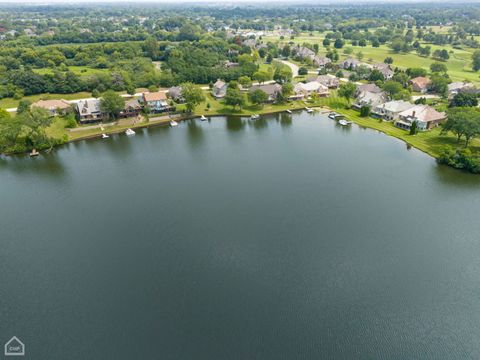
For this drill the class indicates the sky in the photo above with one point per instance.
(319, 2)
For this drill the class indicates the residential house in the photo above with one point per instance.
(385, 69)
(250, 43)
(321, 61)
(303, 52)
(425, 116)
(89, 111)
(372, 99)
(156, 101)
(219, 89)
(350, 64)
(132, 108)
(272, 90)
(457, 87)
(420, 84)
(54, 107)
(29, 32)
(175, 93)
(371, 87)
(391, 110)
(330, 81)
(306, 90)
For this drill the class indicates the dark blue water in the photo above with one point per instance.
(277, 239)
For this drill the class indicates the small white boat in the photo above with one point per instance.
(288, 111)
(344, 122)
(105, 136)
(309, 110)
(173, 123)
(254, 116)
(130, 132)
(203, 118)
(34, 153)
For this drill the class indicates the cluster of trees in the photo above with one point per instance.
(25, 131)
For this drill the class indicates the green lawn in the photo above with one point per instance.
(7, 103)
(430, 142)
(78, 70)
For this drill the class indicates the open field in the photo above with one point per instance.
(459, 64)
(77, 70)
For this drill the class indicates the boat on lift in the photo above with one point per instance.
(288, 111)
(309, 110)
(34, 152)
(344, 122)
(203, 118)
(105, 136)
(173, 123)
(130, 132)
(254, 116)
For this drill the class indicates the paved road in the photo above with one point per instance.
(292, 66)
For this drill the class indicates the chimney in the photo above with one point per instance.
(413, 113)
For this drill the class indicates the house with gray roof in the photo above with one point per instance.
(89, 111)
(391, 110)
(272, 90)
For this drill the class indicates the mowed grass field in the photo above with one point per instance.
(78, 70)
(459, 64)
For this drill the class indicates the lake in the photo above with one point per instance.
(290, 237)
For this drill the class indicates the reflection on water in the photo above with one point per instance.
(45, 165)
(195, 133)
(234, 123)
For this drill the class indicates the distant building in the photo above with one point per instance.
(420, 84)
(321, 61)
(372, 99)
(90, 111)
(372, 88)
(425, 116)
(175, 93)
(219, 89)
(458, 87)
(350, 64)
(272, 90)
(54, 107)
(330, 81)
(385, 69)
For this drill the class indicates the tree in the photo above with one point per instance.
(463, 122)
(282, 74)
(192, 94)
(438, 68)
(388, 60)
(258, 96)
(302, 71)
(439, 84)
(414, 128)
(416, 72)
(376, 75)
(347, 91)
(338, 44)
(287, 90)
(261, 76)
(476, 60)
(23, 105)
(245, 81)
(365, 111)
(326, 42)
(234, 97)
(464, 100)
(112, 103)
(392, 88)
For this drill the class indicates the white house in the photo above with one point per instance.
(391, 110)
(425, 116)
(310, 88)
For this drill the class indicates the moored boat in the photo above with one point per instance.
(105, 136)
(288, 111)
(203, 118)
(130, 132)
(34, 152)
(173, 123)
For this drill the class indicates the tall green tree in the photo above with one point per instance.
(347, 91)
(476, 60)
(112, 103)
(192, 94)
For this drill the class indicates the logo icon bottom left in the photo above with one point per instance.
(14, 347)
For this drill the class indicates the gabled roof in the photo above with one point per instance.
(369, 87)
(88, 107)
(219, 84)
(311, 86)
(423, 113)
(396, 106)
(155, 96)
(421, 82)
(270, 89)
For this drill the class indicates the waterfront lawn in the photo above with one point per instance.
(431, 141)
